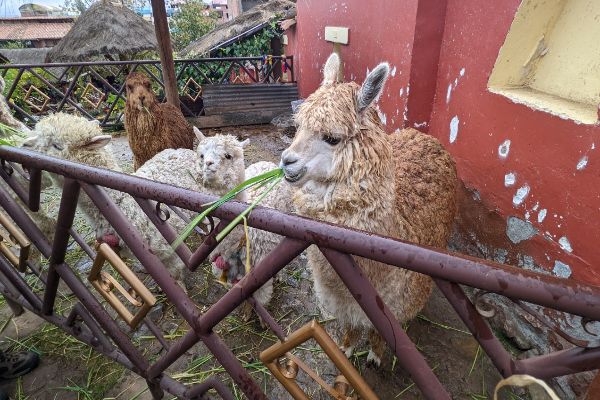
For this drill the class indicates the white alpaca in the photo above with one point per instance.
(77, 139)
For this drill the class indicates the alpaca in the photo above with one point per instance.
(76, 139)
(345, 169)
(229, 258)
(152, 126)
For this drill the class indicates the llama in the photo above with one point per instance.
(346, 170)
(152, 126)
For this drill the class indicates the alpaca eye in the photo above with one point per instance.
(331, 140)
(228, 156)
(202, 156)
(57, 147)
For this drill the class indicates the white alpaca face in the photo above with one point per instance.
(313, 155)
(220, 158)
(310, 157)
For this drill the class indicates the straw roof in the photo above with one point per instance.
(103, 29)
(240, 27)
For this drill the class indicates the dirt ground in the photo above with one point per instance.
(69, 370)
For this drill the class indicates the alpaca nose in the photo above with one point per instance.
(142, 98)
(288, 159)
(209, 163)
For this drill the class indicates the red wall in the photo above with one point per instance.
(544, 150)
(379, 31)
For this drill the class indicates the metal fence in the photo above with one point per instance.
(96, 90)
(90, 322)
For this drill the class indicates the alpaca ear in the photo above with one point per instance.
(97, 142)
(245, 143)
(372, 87)
(29, 141)
(199, 134)
(331, 70)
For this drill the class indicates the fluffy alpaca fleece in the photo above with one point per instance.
(76, 139)
(229, 257)
(348, 171)
(152, 126)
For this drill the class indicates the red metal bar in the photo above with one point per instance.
(175, 351)
(385, 322)
(19, 283)
(200, 389)
(66, 214)
(282, 255)
(139, 248)
(35, 187)
(477, 325)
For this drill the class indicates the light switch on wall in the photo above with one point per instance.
(336, 34)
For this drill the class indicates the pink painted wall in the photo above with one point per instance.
(544, 149)
(379, 31)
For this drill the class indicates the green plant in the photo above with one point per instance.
(256, 45)
(192, 22)
(271, 178)
(13, 44)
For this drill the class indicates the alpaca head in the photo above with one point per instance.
(69, 137)
(221, 160)
(139, 91)
(330, 125)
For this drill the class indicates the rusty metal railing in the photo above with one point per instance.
(96, 90)
(90, 322)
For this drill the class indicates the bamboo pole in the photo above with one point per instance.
(163, 38)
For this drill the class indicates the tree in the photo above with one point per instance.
(193, 21)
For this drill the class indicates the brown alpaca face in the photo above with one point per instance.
(327, 121)
(139, 91)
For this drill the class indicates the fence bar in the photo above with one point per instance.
(25, 223)
(99, 337)
(561, 294)
(66, 214)
(227, 359)
(386, 323)
(175, 351)
(104, 320)
(282, 255)
(477, 325)
(208, 245)
(210, 383)
(19, 283)
(151, 262)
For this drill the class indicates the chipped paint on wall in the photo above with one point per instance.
(518, 230)
(510, 179)
(393, 73)
(561, 269)
(504, 149)
(564, 244)
(521, 195)
(542, 215)
(454, 128)
(582, 163)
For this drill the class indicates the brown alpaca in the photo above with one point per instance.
(152, 126)
(348, 171)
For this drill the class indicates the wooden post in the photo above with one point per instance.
(163, 38)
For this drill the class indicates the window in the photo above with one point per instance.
(550, 59)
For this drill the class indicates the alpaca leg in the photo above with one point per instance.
(377, 348)
(349, 340)
(246, 312)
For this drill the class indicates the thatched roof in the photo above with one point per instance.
(25, 56)
(103, 29)
(240, 27)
